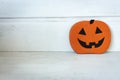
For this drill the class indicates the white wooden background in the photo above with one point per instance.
(43, 25)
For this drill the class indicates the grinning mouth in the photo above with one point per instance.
(91, 43)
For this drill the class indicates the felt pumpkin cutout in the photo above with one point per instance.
(92, 36)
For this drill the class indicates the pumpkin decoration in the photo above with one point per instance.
(92, 36)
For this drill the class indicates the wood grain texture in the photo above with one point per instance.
(59, 66)
(47, 34)
(43, 25)
(43, 8)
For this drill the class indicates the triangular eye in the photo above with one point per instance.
(82, 32)
(98, 31)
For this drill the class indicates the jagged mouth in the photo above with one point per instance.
(83, 44)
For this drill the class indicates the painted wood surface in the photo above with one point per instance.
(47, 34)
(43, 8)
(59, 66)
(43, 25)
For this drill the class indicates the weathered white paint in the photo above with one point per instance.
(59, 66)
(38, 8)
(43, 25)
(47, 34)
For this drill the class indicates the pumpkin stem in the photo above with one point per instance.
(92, 21)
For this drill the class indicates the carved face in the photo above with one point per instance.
(90, 37)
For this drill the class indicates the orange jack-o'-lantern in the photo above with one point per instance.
(92, 36)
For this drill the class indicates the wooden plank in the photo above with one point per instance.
(47, 34)
(59, 66)
(43, 8)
